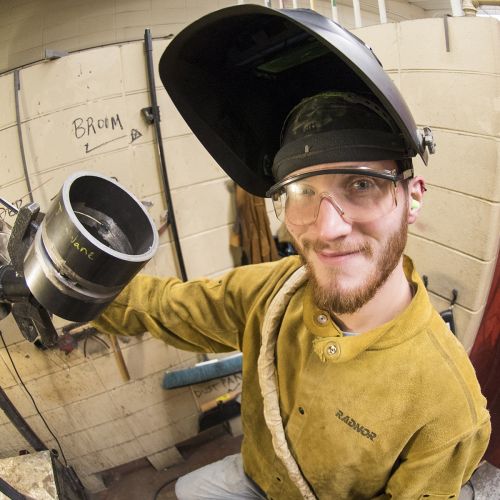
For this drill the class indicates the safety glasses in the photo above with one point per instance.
(359, 194)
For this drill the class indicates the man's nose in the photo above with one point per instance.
(330, 224)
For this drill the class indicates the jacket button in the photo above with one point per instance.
(331, 349)
(322, 319)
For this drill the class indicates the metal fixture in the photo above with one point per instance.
(17, 87)
(51, 54)
(94, 238)
(154, 113)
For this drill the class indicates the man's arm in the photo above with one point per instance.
(190, 316)
(199, 315)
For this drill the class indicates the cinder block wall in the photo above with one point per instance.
(29, 27)
(83, 112)
(65, 105)
(456, 93)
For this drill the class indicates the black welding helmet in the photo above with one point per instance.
(239, 75)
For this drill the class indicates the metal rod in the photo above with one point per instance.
(19, 423)
(335, 11)
(10, 491)
(159, 141)
(9, 206)
(382, 11)
(17, 86)
(446, 32)
(456, 8)
(357, 14)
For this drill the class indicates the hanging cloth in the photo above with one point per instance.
(252, 232)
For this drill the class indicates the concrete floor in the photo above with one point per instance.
(486, 481)
(140, 480)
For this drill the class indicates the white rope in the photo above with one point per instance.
(268, 380)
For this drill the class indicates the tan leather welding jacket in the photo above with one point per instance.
(395, 412)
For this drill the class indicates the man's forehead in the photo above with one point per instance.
(372, 165)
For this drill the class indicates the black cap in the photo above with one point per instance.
(337, 126)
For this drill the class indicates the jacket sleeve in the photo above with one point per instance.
(193, 316)
(440, 473)
(199, 315)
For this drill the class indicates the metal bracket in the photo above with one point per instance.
(51, 54)
(149, 115)
(27, 221)
(428, 140)
(446, 32)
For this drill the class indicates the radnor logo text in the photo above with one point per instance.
(354, 425)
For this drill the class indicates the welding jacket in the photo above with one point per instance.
(395, 412)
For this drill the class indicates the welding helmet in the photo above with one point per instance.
(237, 75)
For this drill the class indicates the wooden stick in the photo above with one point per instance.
(122, 367)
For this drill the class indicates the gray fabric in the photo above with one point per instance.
(225, 480)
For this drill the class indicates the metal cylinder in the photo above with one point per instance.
(94, 238)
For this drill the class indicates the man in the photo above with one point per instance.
(353, 387)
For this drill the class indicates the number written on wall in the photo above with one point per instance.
(92, 129)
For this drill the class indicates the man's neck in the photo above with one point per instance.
(390, 300)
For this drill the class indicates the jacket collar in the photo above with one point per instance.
(331, 345)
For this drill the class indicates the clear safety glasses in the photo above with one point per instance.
(359, 194)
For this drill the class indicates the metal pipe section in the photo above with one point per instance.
(382, 11)
(335, 11)
(11, 208)
(456, 8)
(10, 491)
(94, 238)
(17, 86)
(357, 14)
(19, 423)
(159, 141)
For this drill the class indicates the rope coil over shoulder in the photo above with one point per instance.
(268, 380)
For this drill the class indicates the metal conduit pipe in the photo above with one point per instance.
(456, 8)
(156, 121)
(335, 11)
(19, 423)
(382, 11)
(357, 14)
(17, 87)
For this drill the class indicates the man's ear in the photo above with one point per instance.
(416, 190)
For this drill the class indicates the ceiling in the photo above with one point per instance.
(431, 4)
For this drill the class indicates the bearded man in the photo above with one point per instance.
(353, 386)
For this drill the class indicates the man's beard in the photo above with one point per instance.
(332, 297)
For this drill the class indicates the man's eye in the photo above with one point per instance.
(362, 185)
(301, 190)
